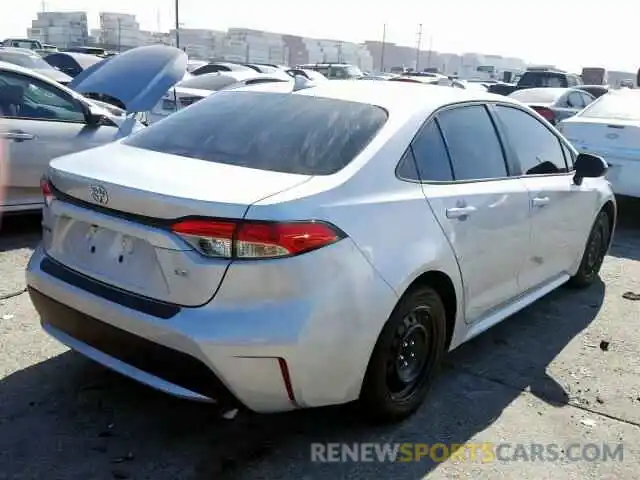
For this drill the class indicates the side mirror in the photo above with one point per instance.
(588, 166)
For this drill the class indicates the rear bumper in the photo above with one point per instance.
(163, 368)
(269, 357)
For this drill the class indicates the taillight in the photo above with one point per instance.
(547, 114)
(47, 193)
(255, 239)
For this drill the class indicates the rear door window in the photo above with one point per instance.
(430, 155)
(473, 144)
(280, 132)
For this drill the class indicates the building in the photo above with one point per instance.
(296, 49)
(398, 57)
(155, 38)
(120, 31)
(338, 51)
(63, 29)
(199, 43)
(260, 47)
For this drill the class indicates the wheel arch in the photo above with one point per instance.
(610, 208)
(445, 288)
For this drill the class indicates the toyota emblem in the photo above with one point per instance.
(99, 194)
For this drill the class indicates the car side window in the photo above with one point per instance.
(473, 144)
(61, 61)
(431, 154)
(407, 167)
(586, 99)
(575, 100)
(29, 98)
(538, 150)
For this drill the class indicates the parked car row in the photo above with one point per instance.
(47, 113)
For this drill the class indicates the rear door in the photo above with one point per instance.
(482, 211)
(561, 212)
(43, 124)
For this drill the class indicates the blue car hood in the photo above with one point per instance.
(138, 77)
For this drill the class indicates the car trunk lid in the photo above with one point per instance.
(138, 78)
(110, 222)
(612, 139)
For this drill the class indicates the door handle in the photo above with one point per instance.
(460, 212)
(17, 136)
(540, 201)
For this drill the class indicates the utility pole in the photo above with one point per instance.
(419, 42)
(177, 23)
(384, 41)
(119, 34)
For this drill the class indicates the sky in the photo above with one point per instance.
(566, 33)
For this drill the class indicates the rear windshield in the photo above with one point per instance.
(209, 81)
(280, 132)
(543, 79)
(615, 106)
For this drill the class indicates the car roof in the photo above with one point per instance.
(78, 55)
(397, 96)
(11, 67)
(23, 51)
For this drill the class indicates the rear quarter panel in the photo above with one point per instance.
(388, 219)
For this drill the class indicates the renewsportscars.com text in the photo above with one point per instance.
(485, 452)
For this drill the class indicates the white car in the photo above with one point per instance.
(197, 87)
(328, 244)
(610, 127)
(41, 119)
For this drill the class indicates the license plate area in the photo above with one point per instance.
(122, 260)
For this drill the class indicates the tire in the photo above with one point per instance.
(406, 357)
(594, 253)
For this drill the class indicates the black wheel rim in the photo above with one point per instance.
(411, 355)
(595, 251)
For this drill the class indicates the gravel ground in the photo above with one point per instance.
(543, 376)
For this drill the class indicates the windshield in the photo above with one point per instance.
(209, 81)
(24, 60)
(541, 95)
(615, 106)
(279, 132)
